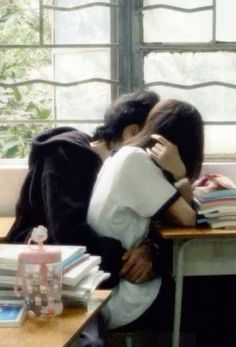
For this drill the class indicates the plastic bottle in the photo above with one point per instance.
(41, 276)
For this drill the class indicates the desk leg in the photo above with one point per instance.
(178, 292)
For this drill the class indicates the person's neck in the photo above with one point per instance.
(101, 149)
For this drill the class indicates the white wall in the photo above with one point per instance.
(12, 176)
(227, 169)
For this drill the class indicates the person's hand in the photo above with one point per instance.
(137, 266)
(166, 154)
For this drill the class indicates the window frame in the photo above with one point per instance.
(114, 82)
(128, 51)
(139, 48)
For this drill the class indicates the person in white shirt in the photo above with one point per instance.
(150, 176)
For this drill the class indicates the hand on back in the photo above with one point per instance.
(137, 264)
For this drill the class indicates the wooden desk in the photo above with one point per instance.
(199, 251)
(54, 332)
(194, 233)
(5, 224)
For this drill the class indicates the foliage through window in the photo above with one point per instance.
(63, 61)
(57, 67)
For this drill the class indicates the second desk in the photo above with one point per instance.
(199, 252)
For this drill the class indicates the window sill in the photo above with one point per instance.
(13, 164)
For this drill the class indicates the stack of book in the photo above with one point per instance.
(80, 271)
(217, 208)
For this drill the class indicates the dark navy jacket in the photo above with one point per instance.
(56, 193)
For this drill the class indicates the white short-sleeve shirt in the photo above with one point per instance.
(129, 190)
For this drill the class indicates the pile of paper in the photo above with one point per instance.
(217, 208)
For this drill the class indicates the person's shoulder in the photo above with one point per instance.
(138, 159)
(133, 156)
(62, 143)
(60, 136)
(132, 152)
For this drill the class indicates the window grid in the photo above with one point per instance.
(128, 50)
(113, 82)
(146, 48)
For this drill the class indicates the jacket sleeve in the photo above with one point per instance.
(66, 186)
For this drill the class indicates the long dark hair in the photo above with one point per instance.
(181, 124)
(129, 109)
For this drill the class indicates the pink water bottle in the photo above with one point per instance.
(41, 276)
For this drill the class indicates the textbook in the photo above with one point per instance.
(93, 279)
(216, 194)
(80, 259)
(7, 293)
(87, 285)
(72, 277)
(217, 209)
(8, 281)
(12, 313)
(9, 254)
(82, 292)
(223, 225)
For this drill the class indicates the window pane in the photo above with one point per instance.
(87, 101)
(216, 135)
(31, 101)
(84, 26)
(190, 68)
(215, 102)
(179, 3)
(212, 106)
(19, 17)
(225, 19)
(15, 139)
(76, 2)
(23, 64)
(78, 64)
(165, 25)
(40, 104)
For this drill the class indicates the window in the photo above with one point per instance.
(189, 49)
(58, 67)
(63, 61)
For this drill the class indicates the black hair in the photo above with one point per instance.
(129, 109)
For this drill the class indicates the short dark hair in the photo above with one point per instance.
(129, 109)
(180, 123)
